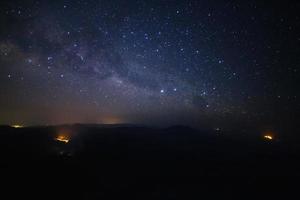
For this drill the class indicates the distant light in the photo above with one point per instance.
(17, 126)
(268, 137)
(217, 129)
(62, 138)
(162, 91)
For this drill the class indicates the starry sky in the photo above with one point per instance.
(199, 63)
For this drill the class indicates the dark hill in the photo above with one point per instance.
(112, 162)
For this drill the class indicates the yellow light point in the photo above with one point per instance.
(17, 126)
(62, 138)
(268, 137)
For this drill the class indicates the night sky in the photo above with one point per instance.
(198, 63)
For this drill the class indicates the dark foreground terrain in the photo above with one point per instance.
(99, 162)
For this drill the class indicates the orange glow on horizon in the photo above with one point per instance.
(62, 138)
(111, 120)
(268, 137)
(17, 126)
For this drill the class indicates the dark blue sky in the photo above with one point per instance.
(199, 63)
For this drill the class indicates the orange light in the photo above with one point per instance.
(111, 120)
(17, 126)
(62, 138)
(268, 137)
